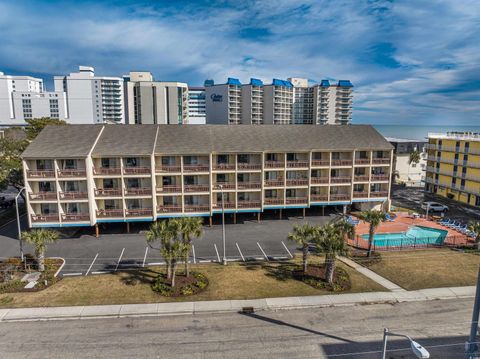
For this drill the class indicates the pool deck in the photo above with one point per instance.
(401, 224)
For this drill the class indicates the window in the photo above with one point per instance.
(222, 177)
(44, 165)
(189, 180)
(131, 162)
(70, 164)
(133, 183)
(190, 160)
(72, 208)
(71, 186)
(291, 156)
(241, 177)
(167, 180)
(105, 162)
(222, 159)
(133, 204)
(45, 186)
(243, 158)
(108, 183)
(272, 157)
(110, 204)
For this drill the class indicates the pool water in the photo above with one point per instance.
(416, 235)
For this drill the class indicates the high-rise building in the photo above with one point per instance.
(303, 112)
(278, 103)
(223, 102)
(92, 99)
(154, 102)
(252, 102)
(453, 166)
(23, 98)
(196, 105)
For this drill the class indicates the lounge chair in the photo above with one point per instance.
(390, 218)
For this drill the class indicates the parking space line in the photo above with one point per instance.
(216, 250)
(145, 257)
(71, 274)
(239, 251)
(156, 264)
(264, 254)
(119, 259)
(91, 265)
(101, 272)
(287, 250)
(193, 252)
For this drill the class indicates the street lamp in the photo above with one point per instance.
(417, 349)
(223, 225)
(18, 223)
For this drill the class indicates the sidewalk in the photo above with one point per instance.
(225, 306)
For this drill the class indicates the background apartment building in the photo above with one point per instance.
(92, 99)
(196, 106)
(404, 170)
(154, 102)
(161, 171)
(23, 98)
(223, 102)
(453, 167)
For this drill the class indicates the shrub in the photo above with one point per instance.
(162, 288)
(11, 286)
(188, 290)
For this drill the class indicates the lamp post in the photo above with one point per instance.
(417, 349)
(18, 223)
(224, 260)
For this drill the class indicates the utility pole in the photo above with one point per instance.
(471, 346)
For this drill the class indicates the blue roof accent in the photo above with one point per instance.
(232, 81)
(345, 83)
(208, 83)
(277, 82)
(256, 82)
(325, 83)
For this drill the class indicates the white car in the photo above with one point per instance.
(434, 207)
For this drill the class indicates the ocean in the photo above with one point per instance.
(419, 132)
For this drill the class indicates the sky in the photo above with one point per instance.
(411, 62)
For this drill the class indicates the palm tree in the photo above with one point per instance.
(330, 239)
(474, 226)
(346, 229)
(303, 235)
(373, 217)
(39, 238)
(190, 228)
(413, 159)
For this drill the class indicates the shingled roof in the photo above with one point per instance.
(120, 140)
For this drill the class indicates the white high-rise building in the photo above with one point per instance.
(196, 106)
(92, 99)
(23, 98)
(252, 103)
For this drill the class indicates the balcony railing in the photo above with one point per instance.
(249, 185)
(107, 213)
(296, 200)
(226, 205)
(169, 208)
(341, 179)
(42, 196)
(274, 200)
(274, 164)
(197, 208)
(196, 188)
(108, 192)
(248, 204)
(362, 161)
(319, 180)
(361, 178)
(72, 173)
(171, 188)
(196, 168)
(380, 177)
(45, 217)
(297, 164)
(339, 197)
(274, 183)
(249, 166)
(40, 173)
(381, 161)
(297, 182)
(136, 170)
(138, 212)
(378, 194)
(106, 170)
(360, 194)
(224, 167)
(168, 168)
(225, 185)
(74, 195)
(318, 197)
(341, 162)
(138, 191)
(75, 217)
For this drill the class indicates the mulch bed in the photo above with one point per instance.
(184, 286)
(315, 277)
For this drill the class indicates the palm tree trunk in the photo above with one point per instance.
(169, 268)
(330, 269)
(305, 255)
(174, 269)
(370, 241)
(41, 260)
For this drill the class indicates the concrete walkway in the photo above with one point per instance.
(223, 306)
(372, 275)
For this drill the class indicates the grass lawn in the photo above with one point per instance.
(431, 268)
(235, 281)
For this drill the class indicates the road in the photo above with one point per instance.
(441, 326)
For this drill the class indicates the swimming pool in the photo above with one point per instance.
(416, 235)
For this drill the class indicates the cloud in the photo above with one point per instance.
(411, 62)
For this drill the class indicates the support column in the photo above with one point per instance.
(323, 210)
(128, 227)
(344, 209)
(234, 218)
(210, 221)
(280, 214)
(258, 217)
(304, 213)
(97, 230)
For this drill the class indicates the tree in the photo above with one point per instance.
(36, 125)
(303, 235)
(413, 159)
(190, 228)
(39, 238)
(346, 229)
(474, 226)
(374, 218)
(330, 240)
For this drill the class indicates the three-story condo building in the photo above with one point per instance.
(453, 166)
(82, 175)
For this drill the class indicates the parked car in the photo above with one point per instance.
(6, 203)
(434, 207)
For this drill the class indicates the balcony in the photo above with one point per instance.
(297, 182)
(319, 180)
(196, 168)
(168, 168)
(43, 196)
(339, 197)
(109, 171)
(224, 167)
(197, 208)
(136, 170)
(197, 188)
(360, 194)
(40, 173)
(139, 212)
(72, 173)
(320, 163)
(74, 195)
(341, 179)
(319, 197)
(169, 208)
(249, 185)
(171, 188)
(342, 162)
(274, 183)
(225, 185)
(274, 201)
(378, 194)
(296, 200)
(109, 213)
(297, 164)
(362, 161)
(381, 161)
(108, 192)
(77, 217)
(379, 177)
(249, 166)
(226, 205)
(248, 204)
(361, 178)
(138, 191)
(274, 164)
(45, 218)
